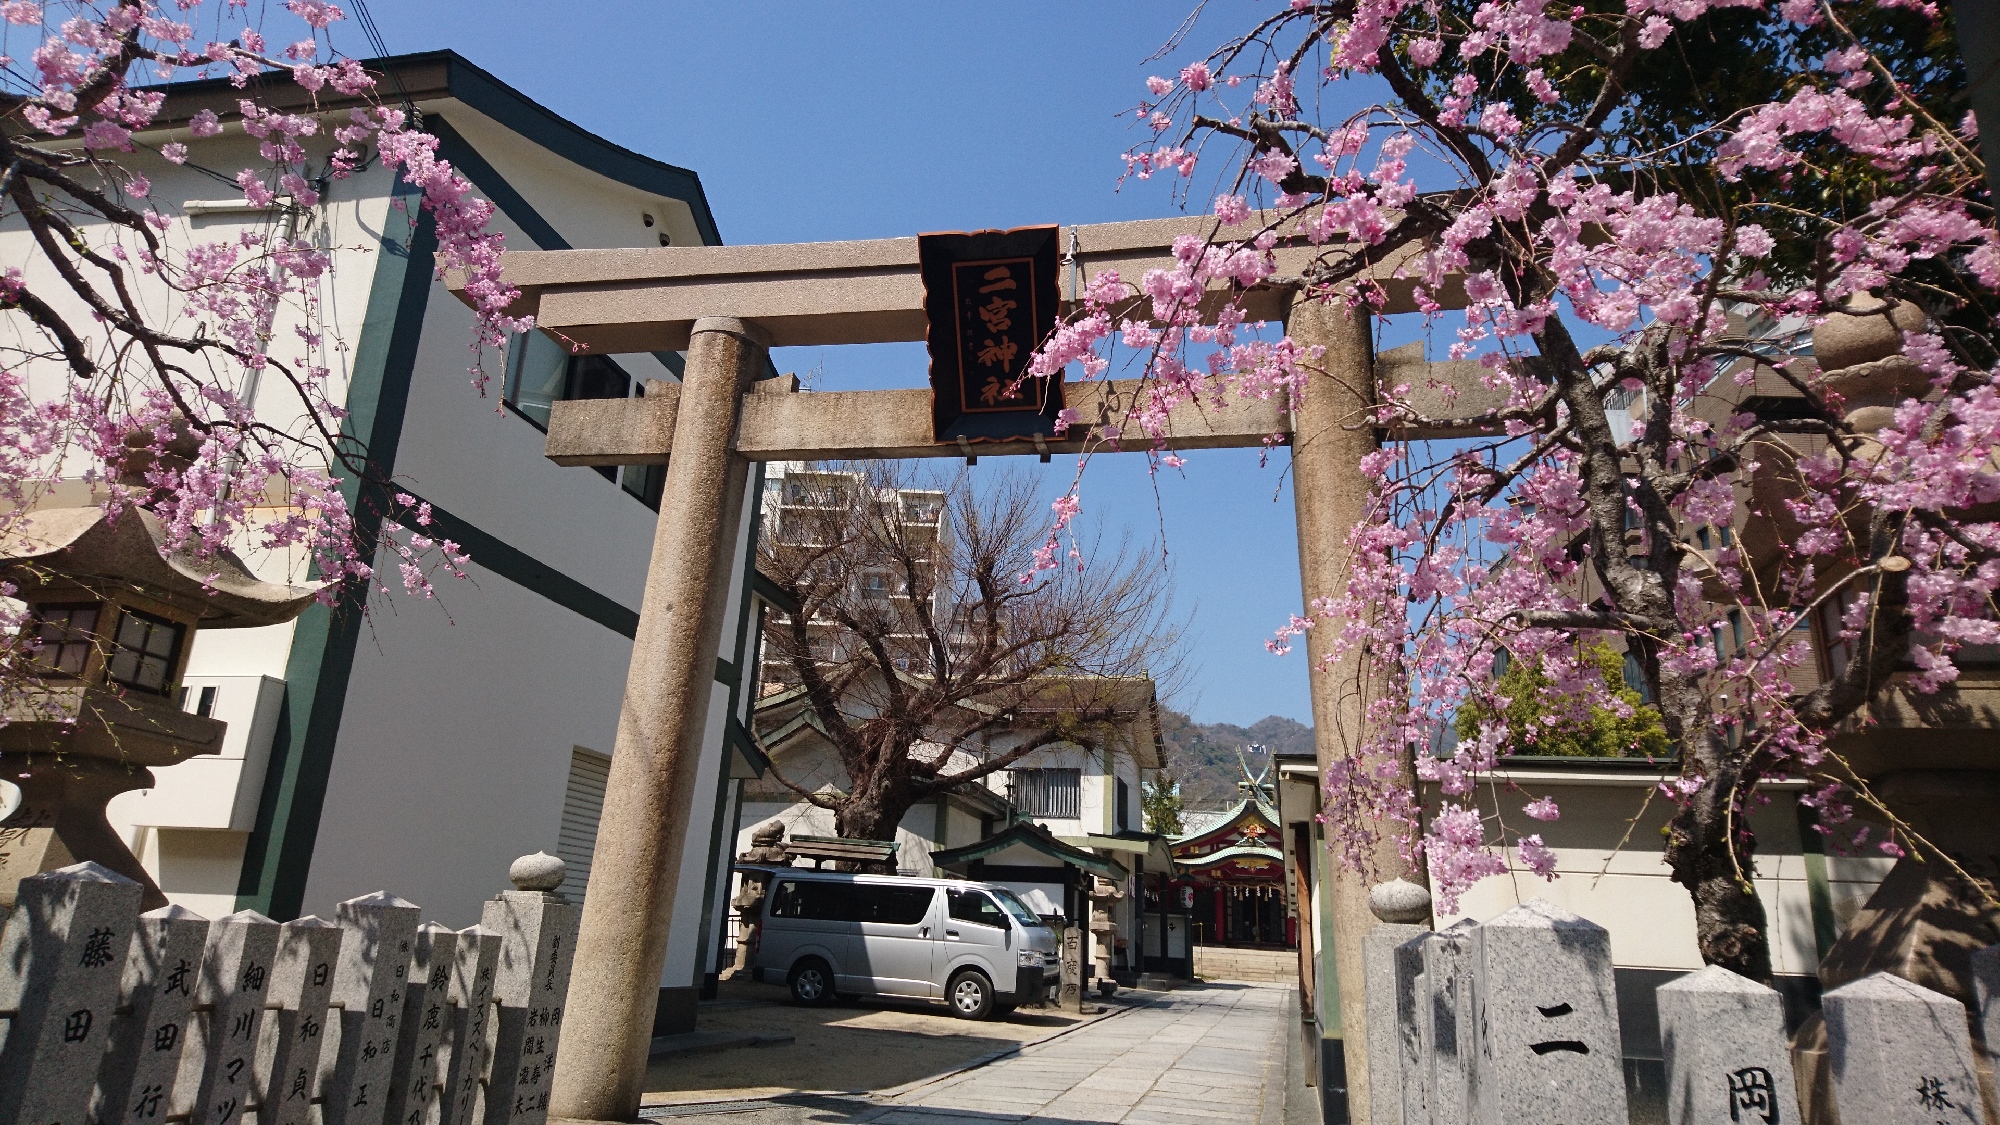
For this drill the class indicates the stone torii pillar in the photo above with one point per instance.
(608, 1018)
(1331, 433)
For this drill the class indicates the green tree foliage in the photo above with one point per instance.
(1536, 728)
(1161, 801)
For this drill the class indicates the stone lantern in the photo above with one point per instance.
(112, 617)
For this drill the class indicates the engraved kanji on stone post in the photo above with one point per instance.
(1727, 1054)
(426, 1027)
(1446, 1024)
(301, 989)
(1412, 990)
(368, 982)
(463, 1101)
(62, 959)
(537, 929)
(1901, 1054)
(235, 980)
(136, 1083)
(1546, 1016)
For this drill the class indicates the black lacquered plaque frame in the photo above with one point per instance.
(990, 299)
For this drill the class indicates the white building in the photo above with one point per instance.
(420, 747)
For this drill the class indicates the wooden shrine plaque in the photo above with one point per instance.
(990, 299)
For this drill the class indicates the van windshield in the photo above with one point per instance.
(1016, 907)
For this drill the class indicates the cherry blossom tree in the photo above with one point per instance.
(923, 659)
(134, 352)
(1622, 201)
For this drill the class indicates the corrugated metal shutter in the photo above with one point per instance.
(583, 803)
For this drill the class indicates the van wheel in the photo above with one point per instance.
(812, 982)
(970, 995)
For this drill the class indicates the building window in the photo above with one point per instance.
(1729, 638)
(540, 374)
(145, 652)
(1635, 677)
(1124, 802)
(63, 637)
(583, 804)
(1055, 793)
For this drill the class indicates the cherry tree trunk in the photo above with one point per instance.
(1731, 929)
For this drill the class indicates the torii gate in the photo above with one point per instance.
(726, 306)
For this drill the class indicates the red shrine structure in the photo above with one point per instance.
(1232, 874)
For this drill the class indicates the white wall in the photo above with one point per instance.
(1629, 891)
(454, 748)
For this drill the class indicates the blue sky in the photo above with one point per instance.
(819, 122)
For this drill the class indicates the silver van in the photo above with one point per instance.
(973, 945)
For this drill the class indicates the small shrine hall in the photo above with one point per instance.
(1234, 872)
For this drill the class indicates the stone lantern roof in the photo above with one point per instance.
(83, 548)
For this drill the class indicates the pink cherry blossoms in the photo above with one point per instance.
(223, 416)
(1769, 537)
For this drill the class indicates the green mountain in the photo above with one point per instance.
(1202, 756)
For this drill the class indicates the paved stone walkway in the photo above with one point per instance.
(1200, 1056)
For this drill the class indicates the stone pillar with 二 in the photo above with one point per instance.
(1545, 1016)
(658, 749)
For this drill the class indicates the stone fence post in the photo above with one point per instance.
(378, 931)
(426, 1026)
(1385, 1022)
(111, 1017)
(1546, 1020)
(463, 1101)
(1901, 1055)
(537, 929)
(1727, 1055)
(301, 989)
(137, 1079)
(235, 979)
(62, 961)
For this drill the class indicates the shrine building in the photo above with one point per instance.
(1232, 875)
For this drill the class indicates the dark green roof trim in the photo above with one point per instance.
(278, 856)
(493, 185)
(456, 149)
(525, 571)
(510, 107)
(1035, 838)
(773, 594)
(747, 746)
(429, 75)
(804, 720)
